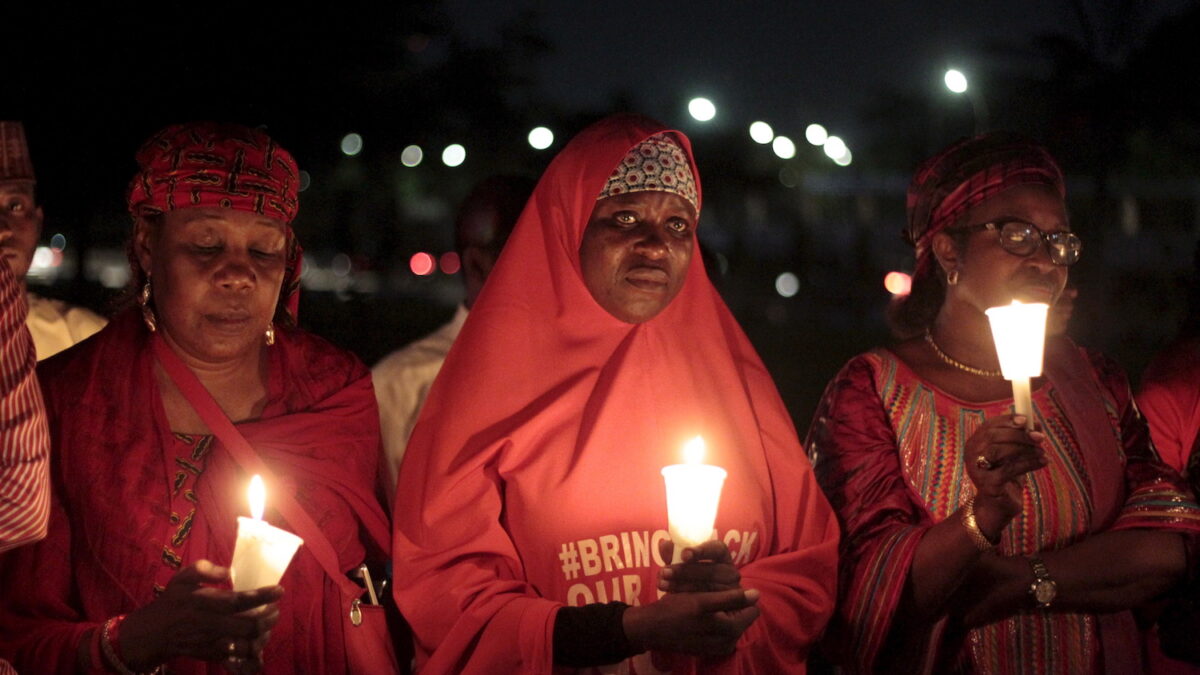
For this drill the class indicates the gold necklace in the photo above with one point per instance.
(959, 364)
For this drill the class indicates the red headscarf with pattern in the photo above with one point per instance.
(210, 164)
(964, 175)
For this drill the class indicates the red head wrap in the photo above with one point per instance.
(14, 153)
(209, 164)
(964, 175)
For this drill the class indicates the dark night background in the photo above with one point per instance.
(1110, 86)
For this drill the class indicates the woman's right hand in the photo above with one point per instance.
(193, 619)
(703, 624)
(997, 455)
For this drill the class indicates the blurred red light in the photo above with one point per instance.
(422, 264)
(450, 263)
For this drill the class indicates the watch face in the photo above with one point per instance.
(1044, 591)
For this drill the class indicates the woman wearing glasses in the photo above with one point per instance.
(971, 544)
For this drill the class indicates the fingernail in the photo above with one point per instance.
(1019, 420)
(752, 594)
(666, 573)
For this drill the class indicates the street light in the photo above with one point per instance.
(702, 109)
(957, 83)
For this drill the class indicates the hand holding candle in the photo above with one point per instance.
(262, 552)
(693, 494)
(1019, 330)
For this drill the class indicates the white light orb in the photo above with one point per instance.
(784, 147)
(844, 159)
(454, 155)
(834, 147)
(762, 132)
(815, 134)
(702, 109)
(352, 144)
(411, 156)
(956, 81)
(541, 138)
(787, 284)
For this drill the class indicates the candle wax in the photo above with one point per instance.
(261, 555)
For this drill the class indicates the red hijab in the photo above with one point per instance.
(540, 383)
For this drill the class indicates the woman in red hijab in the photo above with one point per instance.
(530, 507)
(971, 544)
(133, 574)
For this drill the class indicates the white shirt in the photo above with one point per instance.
(56, 325)
(402, 381)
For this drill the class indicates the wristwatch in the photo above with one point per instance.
(1043, 589)
(972, 526)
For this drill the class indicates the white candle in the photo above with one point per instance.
(1019, 330)
(693, 493)
(262, 552)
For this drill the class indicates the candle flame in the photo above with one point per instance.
(258, 497)
(693, 451)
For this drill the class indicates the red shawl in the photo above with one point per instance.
(113, 460)
(532, 478)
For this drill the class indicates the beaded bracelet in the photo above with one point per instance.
(109, 645)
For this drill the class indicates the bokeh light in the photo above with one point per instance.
(815, 134)
(834, 147)
(422, 264)
(305, 180)
(784, 147)
(412, 156)
(787, 284)
(58, 242)
(454, 155)
(702, 109)
(844, 159)
(897, 283)
(352, 144)
(956, 81)
(341, 265)
(541, 138)
(762, 132)
(449, 263)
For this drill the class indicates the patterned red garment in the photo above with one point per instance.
(966, 174)
(532, 480)
(206, 164)
(888, 450)
(113, 483)
(24, 441)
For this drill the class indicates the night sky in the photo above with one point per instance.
(790, 63)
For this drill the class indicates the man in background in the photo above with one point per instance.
(403, 378)
(55, 325)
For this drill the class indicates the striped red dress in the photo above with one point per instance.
(24, 441)
(888, 451)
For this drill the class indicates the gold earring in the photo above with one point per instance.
(147, 311)
(952, 277)
(270, 334)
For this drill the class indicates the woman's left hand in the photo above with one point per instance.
(705, 568)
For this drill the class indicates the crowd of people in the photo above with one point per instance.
(489, 500)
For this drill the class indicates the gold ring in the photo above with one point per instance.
(983, 463)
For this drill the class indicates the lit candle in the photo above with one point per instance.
(262, 552)
(1019, 330)
(693, 493)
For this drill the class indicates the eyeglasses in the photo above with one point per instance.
(1022, 238)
